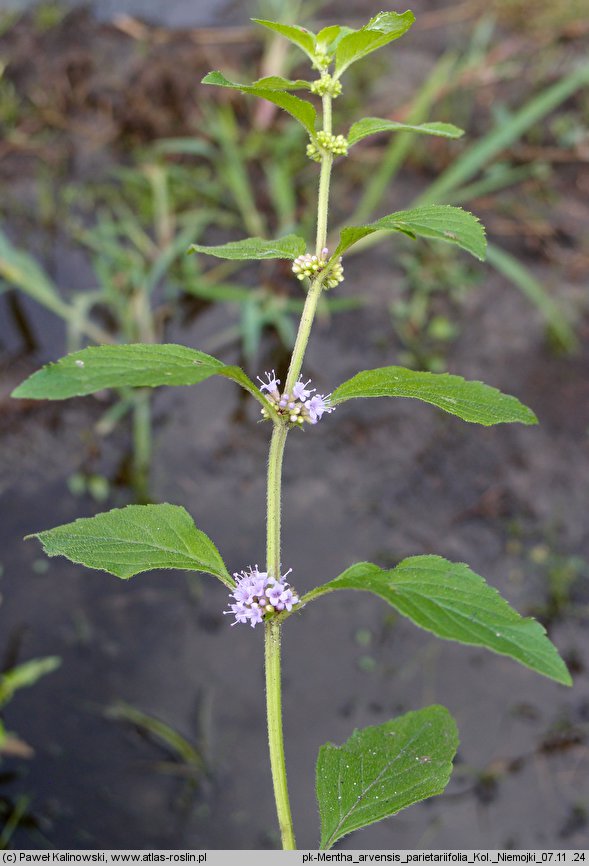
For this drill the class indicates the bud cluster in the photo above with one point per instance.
(327, 142)
(321, 58)
(258, 596)
(310, 266)
(326, 85)
(299, 407)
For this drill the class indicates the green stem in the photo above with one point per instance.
(141, 443)
(305, 325)
(277, 444)
(314, 293)
(326, 165)
(275, 736)
(273, 564)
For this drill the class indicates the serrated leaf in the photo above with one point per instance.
(288, 247)
(25, 675)
(300, 109)
(300, 36)
(451, 601)
(277, 82)
(128, 541)
(472, 401)
(380, 30)
(438, 222)
(373, 125)
(138, 365)
(383, 769)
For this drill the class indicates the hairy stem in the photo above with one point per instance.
(272, 641)
(274, 499)
(273, 564)
(326, 165)
(307, 317)
(314, 293)
(275, 736)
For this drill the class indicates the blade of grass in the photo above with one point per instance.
(163, 217)
(13, 821)
(535, 292)
(497, 180)
(235, 171)
(175, 248)
(484, 150)
(174, 741)
(23, 272)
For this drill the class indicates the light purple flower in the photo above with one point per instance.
(271, 386)
(256, 616)
(274, 592)
(300, 390)
(256, 595)
(288, 599)
(243, 593)
(298, 406)
(317, 406)
(240, 612)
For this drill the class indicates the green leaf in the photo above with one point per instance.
(472, 401)
(300, 109)
(383, 769)
(373, 125)
(298, 35)
(438, 222)
(277, 82)
(138, 365)
(380, 30)
(451, 601)
(330, 37)
(288, 247)
(25, 675)
(127, 541)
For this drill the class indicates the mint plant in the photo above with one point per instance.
(382, 769)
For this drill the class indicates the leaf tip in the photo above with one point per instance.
(20, 391)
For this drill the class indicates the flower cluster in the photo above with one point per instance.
(301, 406)
(257, 595)
(326, 85)
(327, 141)
(309, 266)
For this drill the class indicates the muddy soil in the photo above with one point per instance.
(378, 481)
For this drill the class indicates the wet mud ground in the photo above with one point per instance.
(378, 480)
